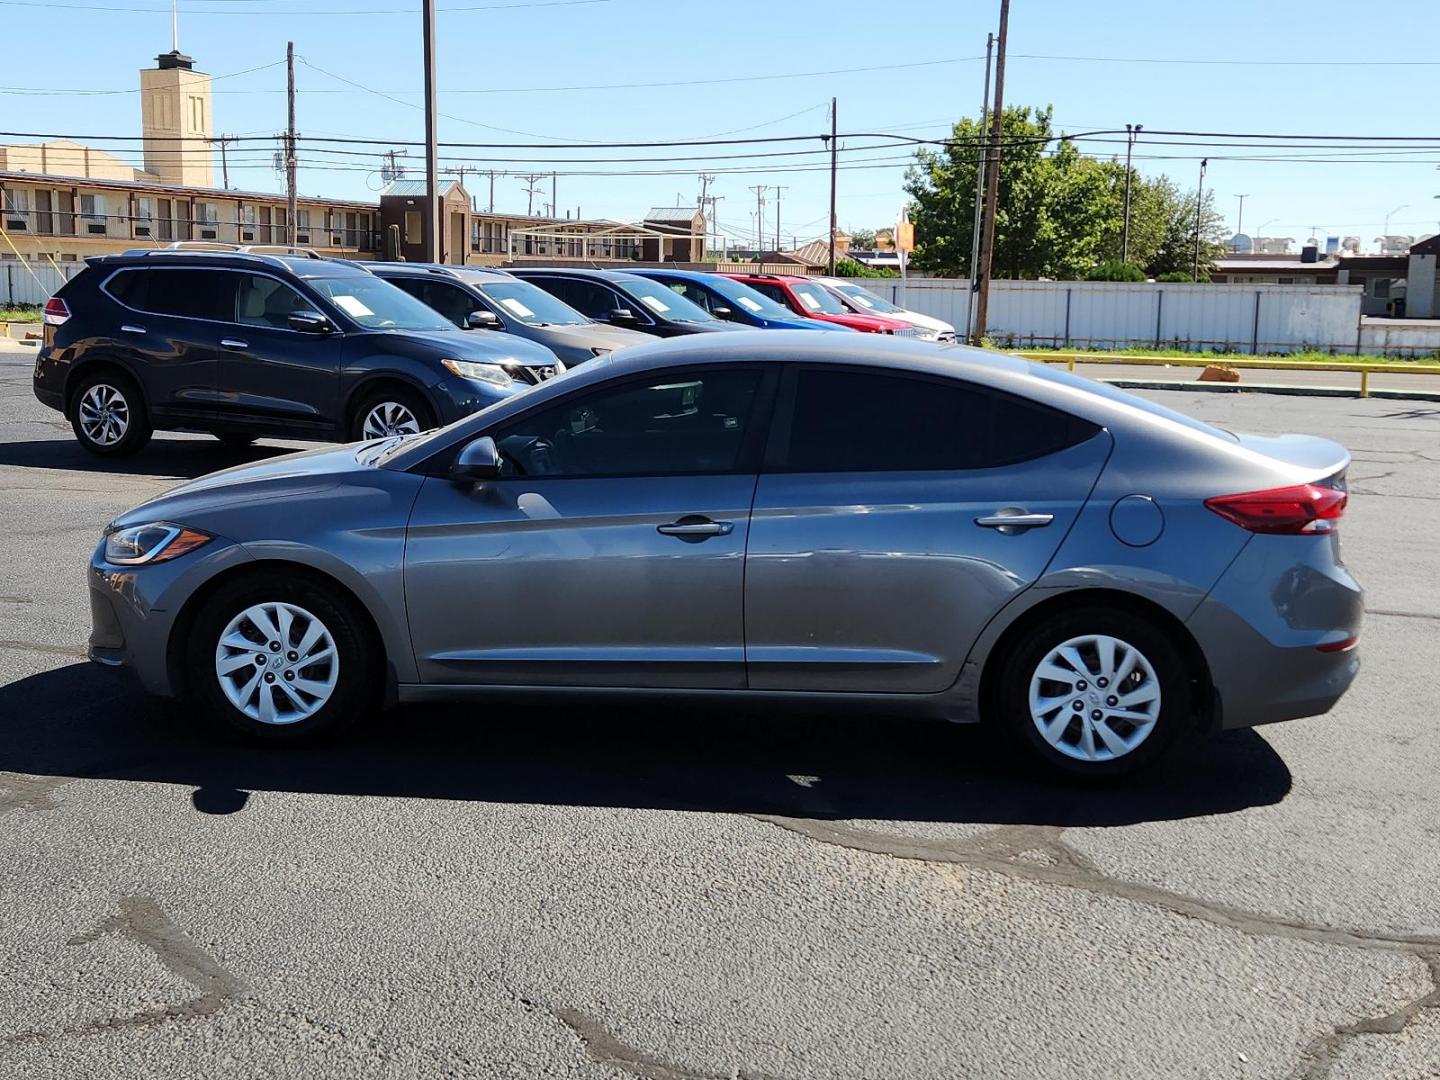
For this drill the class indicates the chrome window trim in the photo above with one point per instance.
(104, 288)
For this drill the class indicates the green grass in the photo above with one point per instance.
(19, 314)
(1310, 356)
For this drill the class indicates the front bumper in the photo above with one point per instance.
(1264, 625)
(133, 610)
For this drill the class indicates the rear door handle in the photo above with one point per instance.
(696, 528)
(1013, 520)
(131, 328)
(234, 343)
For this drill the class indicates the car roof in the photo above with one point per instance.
(770, 277)
(462, 273)
(303, 266)
(577, 271)
(665, 271)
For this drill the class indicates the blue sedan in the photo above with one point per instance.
(734, 301)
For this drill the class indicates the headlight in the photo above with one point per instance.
(158, 541)
(493, 374)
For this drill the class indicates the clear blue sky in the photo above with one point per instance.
(929, 49)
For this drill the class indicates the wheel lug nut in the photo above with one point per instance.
(1096, 714)
(259, 660)
(292, 656)
(269, 676)
(289, 676)
(1102, 683)
(274, 646)
(1079, 706)
(1080, 685)
(1112, 700)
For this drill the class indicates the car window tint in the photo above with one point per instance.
(773, 291)
(451, 301)
(263, 301)
(194, 294)
(855, 421)
(669, 424)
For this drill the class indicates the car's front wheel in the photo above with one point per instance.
(397, 411)
(1095, 692)
(108, 415)
(282, 658)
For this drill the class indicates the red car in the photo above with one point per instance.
(814, 301)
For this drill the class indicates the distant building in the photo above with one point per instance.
(1401, 285)
(680, 234)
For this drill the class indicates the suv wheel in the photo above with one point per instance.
(1095, 693)
(395, 411)
(281, 659)
(108, 415)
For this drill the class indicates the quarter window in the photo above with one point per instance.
(855, 421)
(192, 294)
(673, 423)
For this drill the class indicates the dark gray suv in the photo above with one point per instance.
(243, 344)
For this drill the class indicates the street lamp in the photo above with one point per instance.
(1132, 132)
(1199, 207)
(1392, 214)
(1260, 233)
(1240, 218)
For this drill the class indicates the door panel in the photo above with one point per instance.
(569, 582)
(269, 372)
(877, 574)
(165, 328)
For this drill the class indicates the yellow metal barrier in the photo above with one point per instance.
(1278, 364)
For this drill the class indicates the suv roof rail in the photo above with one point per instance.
(198, 245)
(277, 249)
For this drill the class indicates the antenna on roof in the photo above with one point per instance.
(175, 25)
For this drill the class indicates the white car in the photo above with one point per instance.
(864, 302)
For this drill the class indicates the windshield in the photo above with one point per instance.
(867, 300)
(816, 298)
(663, 301)
(531, 305)
(751, 300)
(378, 305)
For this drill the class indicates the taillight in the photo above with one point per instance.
(1294, 511)
(56, 311)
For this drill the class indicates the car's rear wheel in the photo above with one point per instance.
(281, 658)
(1095, 692)
(392, 411)
(108, 414)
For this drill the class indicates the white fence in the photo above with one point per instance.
(33, 282)
(1109, 315)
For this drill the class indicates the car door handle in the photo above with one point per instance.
(131, 328)
(1013, 519)
(234, 343)
(696, 528)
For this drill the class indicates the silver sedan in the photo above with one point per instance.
(823, 519)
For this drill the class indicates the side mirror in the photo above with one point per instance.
(483, 320)
(479, 460)
(622, 316)
(310, 322)
(722, 312)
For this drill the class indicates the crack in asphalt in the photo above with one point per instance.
(40, 647)
(1001, 851)
(1401, 614)
(142, 921)
(606, 1050)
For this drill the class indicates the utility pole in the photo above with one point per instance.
(705, 181)
(554, 205)
(434, 249)
(224, 162)
(532, 185)
(1132, 132)
(1240, 217)
(834, 161)
(759, 191)
(392, 169)
(778, 190)
(992, 183)
(290, 225)
(979, 188)
(1199, 209)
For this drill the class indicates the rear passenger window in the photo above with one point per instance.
(855, 421)
(191, 294)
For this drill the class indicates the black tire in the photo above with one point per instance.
(117, 389)
(234, 440)
(1172, 678)
(410, 400)
(360, 657)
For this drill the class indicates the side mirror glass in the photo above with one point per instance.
(479, 460)
(722, 313)
(310, 322)
(622, 315)
(483, 320)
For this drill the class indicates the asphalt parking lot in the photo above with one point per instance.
(555, 893)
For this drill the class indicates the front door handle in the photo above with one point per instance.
(696, 528)
(131, 328)
(234, 343)
(1012, 520)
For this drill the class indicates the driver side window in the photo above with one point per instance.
(669, 424)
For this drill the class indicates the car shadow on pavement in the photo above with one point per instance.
(180, 458)
(80, 721)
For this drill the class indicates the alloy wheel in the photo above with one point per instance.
(389, 418)
(104, 414)
(277, 663)
(1094, 698)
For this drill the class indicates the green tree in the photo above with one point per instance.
(862, 239)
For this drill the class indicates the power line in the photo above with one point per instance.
(294, 14)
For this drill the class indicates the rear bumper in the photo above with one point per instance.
(1264, 625)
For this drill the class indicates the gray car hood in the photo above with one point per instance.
(595, 335)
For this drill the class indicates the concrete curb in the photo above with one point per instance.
(1272, 388)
